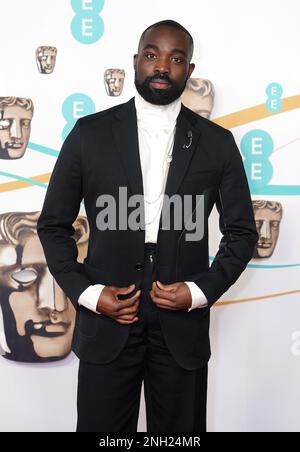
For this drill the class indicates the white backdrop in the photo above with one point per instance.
(241, 47)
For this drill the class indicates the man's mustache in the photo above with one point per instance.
(164, 78)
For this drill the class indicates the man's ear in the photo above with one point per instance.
(135, 57)
(191, 69)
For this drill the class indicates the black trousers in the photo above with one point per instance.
(108, 397)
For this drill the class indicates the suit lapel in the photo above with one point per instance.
(126, 139)
(181, 157)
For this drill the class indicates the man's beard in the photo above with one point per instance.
(159, 96)
(4, 155)
(21, 347)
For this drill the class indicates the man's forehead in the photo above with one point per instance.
(47, 52)
(115, 74)
(266, 212)
(32, 250)
(16, 110)
(162, 35)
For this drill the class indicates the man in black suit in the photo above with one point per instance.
(143, 293)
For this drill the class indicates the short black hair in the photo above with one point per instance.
(169, 23)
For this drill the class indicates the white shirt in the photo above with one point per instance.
(156, 132)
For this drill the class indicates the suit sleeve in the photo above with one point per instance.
(60, 210)
(198, 298)
(89, 298)
(236, 223)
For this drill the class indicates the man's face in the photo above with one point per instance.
(38, 317)
(162, 66)
(15, 124)
(114, 81)
(267, 225)
(46, 59)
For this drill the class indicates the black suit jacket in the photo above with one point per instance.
(100, 155)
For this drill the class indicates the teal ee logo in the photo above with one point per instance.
(74, 107)
(87, 26)
(257, 147)
(274, 102)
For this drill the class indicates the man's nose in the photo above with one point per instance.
(50, 297)
(16, 129)
(265, 231)
(60, 299)
(162, 66)
(46, 296)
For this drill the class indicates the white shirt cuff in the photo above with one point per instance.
(199, 300)
(90, 296)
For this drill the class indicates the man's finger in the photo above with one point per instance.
(171, 296)
(161, 301)
(167, 307)
(167, 287)
(128, 302)
(130, 310)
(127, 317)
(126, 322)
(125, 290)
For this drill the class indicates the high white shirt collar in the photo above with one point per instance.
(156, 116)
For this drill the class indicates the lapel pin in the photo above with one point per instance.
(190, 138)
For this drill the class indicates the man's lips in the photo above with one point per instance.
(160, 84)
(49, 329)
(15, 145)
(264, 245)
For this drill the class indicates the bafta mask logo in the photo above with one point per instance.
(46, 59)
(114, 81)
(15, 124)
(199, 96)
(267, 215)
(36, 318)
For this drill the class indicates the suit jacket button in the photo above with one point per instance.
(139, 266)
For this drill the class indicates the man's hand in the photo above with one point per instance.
(123, 311)
(171, 296)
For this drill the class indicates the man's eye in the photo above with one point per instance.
(26, 123)
(150, 56)
(177, 60)
(4, 124)
(275, 224)
(25, 277)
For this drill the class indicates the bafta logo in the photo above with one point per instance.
(114, 81)
(199, 96)
(15, 124)
(46, 59)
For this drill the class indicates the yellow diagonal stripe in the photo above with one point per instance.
(18, 185)
(264, 297)
(251, 114)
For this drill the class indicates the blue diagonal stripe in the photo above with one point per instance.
(211, 258)
(43, 149)
(24, 179)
